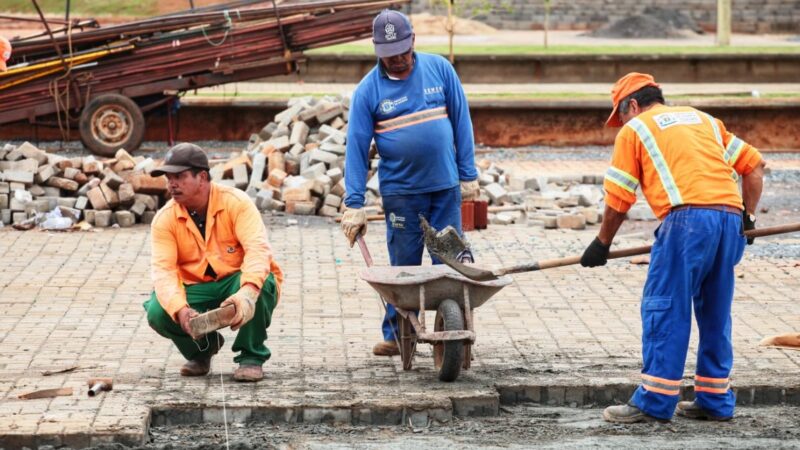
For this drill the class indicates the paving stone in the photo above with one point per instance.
(102, 219)
(125, 219)
(571, 221)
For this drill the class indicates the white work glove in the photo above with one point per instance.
(354, 222)
(244, 300)
(469, 190)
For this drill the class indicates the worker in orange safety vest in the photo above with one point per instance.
(687, 165)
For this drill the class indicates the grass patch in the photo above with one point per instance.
(138, 8)
(367, 49)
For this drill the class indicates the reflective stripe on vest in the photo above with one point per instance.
(649, 142)
(411, 119)
(717, 134)
(711, 385)
(734, 150)
(622, 179)
(661, 385)
(725, 151)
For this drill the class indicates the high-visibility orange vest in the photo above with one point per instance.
(679, 156)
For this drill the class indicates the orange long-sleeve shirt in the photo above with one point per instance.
(236, 240)
(679, 156)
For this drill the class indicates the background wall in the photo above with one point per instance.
(749, 16)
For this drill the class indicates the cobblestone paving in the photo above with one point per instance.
(74, 299)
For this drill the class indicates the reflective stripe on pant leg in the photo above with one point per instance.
(666, 319)
(404, 241)
(713, 312)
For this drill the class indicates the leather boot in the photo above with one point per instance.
(201, 366)
(248, 372)
(386, 348)
(627, 414)
(692, 410)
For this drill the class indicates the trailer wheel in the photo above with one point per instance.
(448, 356)
(111, 122)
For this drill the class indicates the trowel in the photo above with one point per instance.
(479, 274)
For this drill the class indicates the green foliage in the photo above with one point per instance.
(84, 8)
(469, 9)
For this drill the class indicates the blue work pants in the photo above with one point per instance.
(404, 235)
(691, 262)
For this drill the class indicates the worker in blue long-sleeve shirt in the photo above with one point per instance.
(413, 106)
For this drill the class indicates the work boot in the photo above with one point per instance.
(200, 366)
(692, 410)
(386, 348)
(248, 372)
(627, 414)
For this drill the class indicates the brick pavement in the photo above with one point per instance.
(563, 336)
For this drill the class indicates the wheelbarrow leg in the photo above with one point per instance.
(407, 342)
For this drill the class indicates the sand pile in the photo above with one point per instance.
(653, 23)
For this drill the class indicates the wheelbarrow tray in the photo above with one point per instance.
(400, 286)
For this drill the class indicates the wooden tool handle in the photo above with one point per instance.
(624, 253)
(364, 250)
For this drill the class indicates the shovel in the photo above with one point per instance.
(478, 274)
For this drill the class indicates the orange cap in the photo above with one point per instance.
(624, 87)
(5, 53)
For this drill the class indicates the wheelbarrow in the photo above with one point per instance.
(432, 288)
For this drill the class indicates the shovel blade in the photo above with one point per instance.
(470, 272)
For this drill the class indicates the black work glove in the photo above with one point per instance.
(596, 254)
(749, 223)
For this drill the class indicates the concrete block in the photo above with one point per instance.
(335, 174)
(296, 194)
(266, 133)
(534, 202)
(92, 166)
(29, 150)
(148, 217)
(81, 202)
(338, 188)
(88, 216)
(333, 200)
(641, 212)
(289, 114)
(112, 199)
(322, 185)
(3, 201)
(332, 147)
(305, 208)
(318, 155)
(67, 202)
(102, 219)
(484, 179)
(112, 179)
(523, 182)
(17, 176)
(328, 112)
(374, 184)
(592, 214)
(276, 177)
(336, 136)
(91, 184)
(497, 194)
(14, 155)
(149, 201)
(70, 173)
(126, 194)
(5, 216)
(296, 150)
(280, 144)
(72, 213)
(277, 161)
(240, 177)
(313, 171)
(259, 166)
(328, 211)
(38, 191)
(569, 202)
(125, 219)
(4, 187)
(63, 183)
(338, 123)
(571, 221)
(299, 133)
(18, 217)
(97, 199)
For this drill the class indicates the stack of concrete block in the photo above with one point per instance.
(35, 183)
(295, 164)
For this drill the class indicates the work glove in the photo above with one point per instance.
(749, 223)
(469, 190)
(186, 314)
(596, 254)
(354, 222)
(244, 300)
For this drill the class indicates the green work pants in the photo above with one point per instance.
(202, 297)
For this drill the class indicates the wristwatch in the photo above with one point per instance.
(752, 217)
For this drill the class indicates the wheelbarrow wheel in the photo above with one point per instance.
(111, 122)
(448, 356)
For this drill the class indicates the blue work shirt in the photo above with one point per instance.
(421, 127)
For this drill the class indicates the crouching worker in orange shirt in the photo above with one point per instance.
(210, 249)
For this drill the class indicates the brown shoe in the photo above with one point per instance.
(692, 410)
(386, 348)
(200, 366)
(248, 372)
(627, 414)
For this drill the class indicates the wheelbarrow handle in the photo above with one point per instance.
(364, 250)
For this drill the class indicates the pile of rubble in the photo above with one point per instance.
(56, 192)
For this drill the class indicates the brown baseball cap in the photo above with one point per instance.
(183, 156)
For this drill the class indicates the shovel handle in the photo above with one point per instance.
(624, 253)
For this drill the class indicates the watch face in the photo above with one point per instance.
(752, 217)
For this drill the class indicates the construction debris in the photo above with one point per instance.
(46, 393)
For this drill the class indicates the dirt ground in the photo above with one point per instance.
(520, 426)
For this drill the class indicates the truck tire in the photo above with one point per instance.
(448, 356)
(111, 122)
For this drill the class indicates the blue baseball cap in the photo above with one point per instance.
(391, 33)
